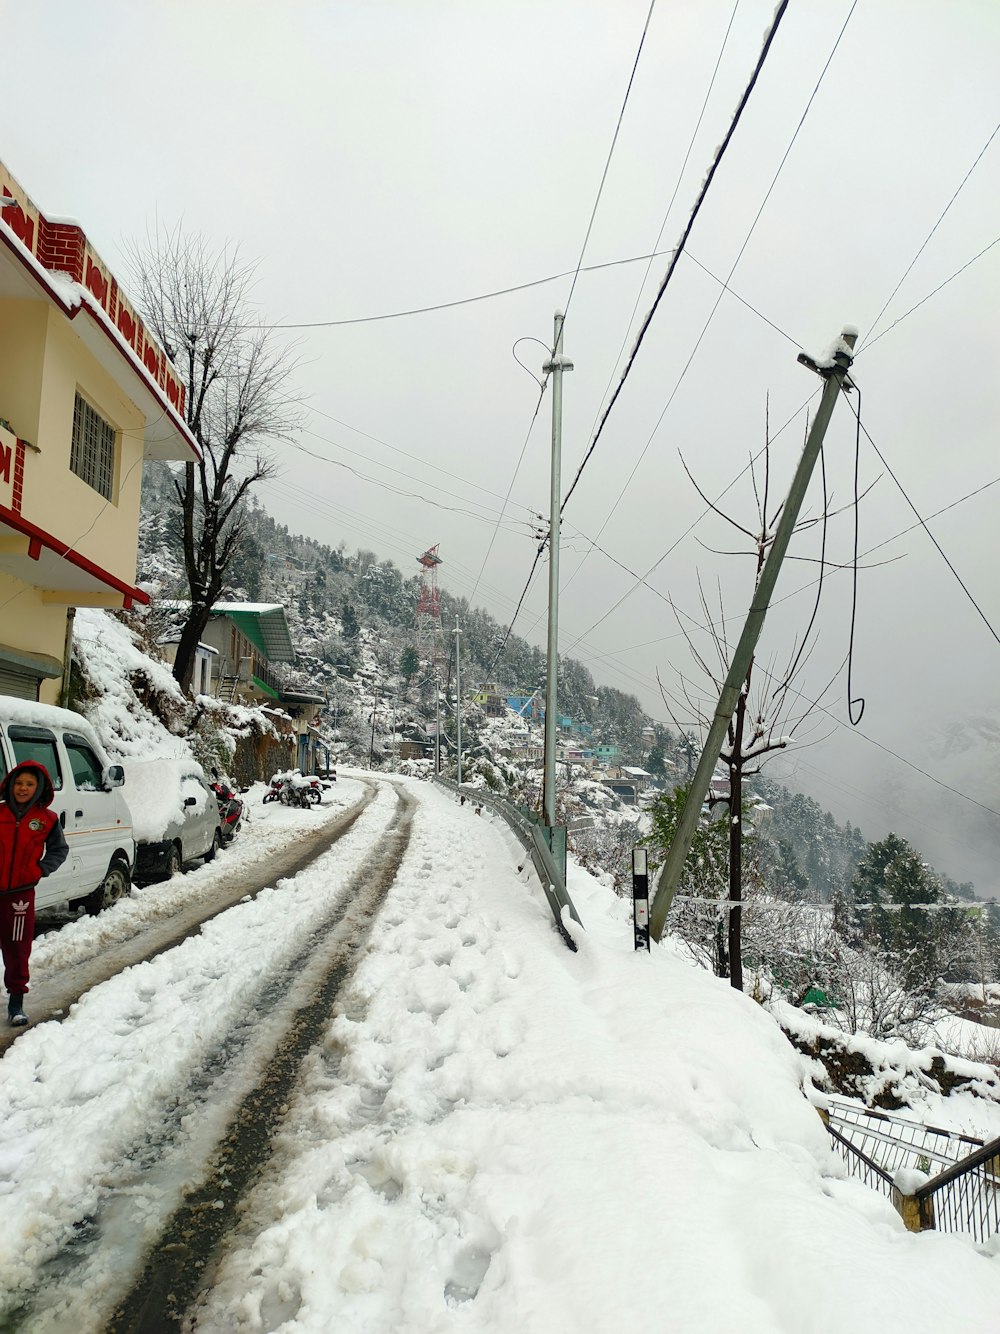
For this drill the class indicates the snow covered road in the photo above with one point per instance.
(276, 842)
(110, 1115)
(488, 1133)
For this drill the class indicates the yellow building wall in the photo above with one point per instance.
(35, 628)
(56, 499)
(23, 327)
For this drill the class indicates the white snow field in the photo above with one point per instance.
(496, 1135)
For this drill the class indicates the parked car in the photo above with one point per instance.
(88, 799)
(176, 816)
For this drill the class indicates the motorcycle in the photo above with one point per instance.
(316, 789)
(295, 789)
(231, 810)
(291, 789)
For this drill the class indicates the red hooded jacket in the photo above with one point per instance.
(32, 843)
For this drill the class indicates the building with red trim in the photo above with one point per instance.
(86, 394)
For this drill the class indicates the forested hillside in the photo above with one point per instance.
(331, 595)
(350, 612)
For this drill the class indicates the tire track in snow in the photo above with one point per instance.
(253, 1070)
(53, 996)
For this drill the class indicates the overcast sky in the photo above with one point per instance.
(381, 157)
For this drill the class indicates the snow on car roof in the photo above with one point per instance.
(29, 713)
(153, 790)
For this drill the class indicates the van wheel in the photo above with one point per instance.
(114, 887)
(174, 865)
(216, 845)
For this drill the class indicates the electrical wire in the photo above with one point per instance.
(851, 701)
(941, 218)
(417, 458)
(732, 270)
(659, 237)
(906, 314)
(923, 523)
(576, 274)
(641, 579)
(819, 582)
(503, 507)
(386, 486)
(400, 473)
(520, 604)
(462, 301)
(607, 164)
(671, 268)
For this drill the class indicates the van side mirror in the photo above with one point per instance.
(190, 801)
(114, 776)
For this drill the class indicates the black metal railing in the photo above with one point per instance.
(962, 1196)
(896, 1141)
(966, 1196)
(858, 1162)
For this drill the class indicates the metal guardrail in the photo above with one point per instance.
(532, 840)
(964, 1194)
(896, 1141)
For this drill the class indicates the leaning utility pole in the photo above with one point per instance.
(836, 378)
(458, 702)
(555, 366)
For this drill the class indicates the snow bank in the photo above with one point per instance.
(503, 1136)
(111, 653)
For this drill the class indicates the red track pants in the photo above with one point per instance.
(17, 930)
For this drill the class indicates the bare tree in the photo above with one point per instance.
(759, 727)
(238, 400)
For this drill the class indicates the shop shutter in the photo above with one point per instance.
(18, 684)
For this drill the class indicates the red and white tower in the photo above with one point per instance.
(429, 636)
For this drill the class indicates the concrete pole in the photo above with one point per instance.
(437, 725)
(371, 749)
(555, 366)
(458, 701)
(671, 872)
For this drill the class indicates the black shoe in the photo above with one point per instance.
(15, 1015)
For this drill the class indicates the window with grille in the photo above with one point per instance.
(92, 456)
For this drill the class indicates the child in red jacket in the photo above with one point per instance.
(32, 845)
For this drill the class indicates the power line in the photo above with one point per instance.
(462, 301)
(641, 579)
(672, 200)
(941, 218)
(724, 284)
(659, 237)
(671, 268)
(732, 270)
(871, 342)
(611, 151)
(386, 486)
(576, 274)
(503, 507)
(417, 458)
(923, 524)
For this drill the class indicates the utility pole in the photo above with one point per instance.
(371, 749)
(437, 725)
(458, 701)
(555, 366)
(836, 377)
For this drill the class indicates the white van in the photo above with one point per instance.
(88, 800)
